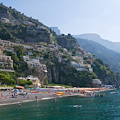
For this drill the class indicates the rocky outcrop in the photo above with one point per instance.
(67, 41)
(4, 12)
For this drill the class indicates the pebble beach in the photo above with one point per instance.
(7, 98)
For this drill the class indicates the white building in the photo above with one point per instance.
(35, 80)
(82, 67)
(34, 63)
(26, 58)
(6, 43)
(6, 62)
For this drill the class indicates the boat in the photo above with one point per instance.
(114, 92)
(87, 94)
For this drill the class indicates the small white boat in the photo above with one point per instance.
(87, 94)
(114, 92)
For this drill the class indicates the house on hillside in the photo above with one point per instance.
(5, 20)
(34, 63)
(81, 67)
(35, 80)
(1, 49)
(6, 43)
(6, 63)
(96, 82)
(26, 58)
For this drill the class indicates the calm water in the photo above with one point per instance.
(70, 108)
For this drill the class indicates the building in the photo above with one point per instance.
(5, 20)
(6, 62)
(78, 59)
(82, 67)
(6, 43)
(26, 58)
(40, 27)
(34, 63)
(1, 49)
(29, 23)
(96, 83)
(35, 80)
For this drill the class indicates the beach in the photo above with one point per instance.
(7, 96)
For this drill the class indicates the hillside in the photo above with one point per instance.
(115, 46)
(34, 49)
(109, 57)
(15, 26)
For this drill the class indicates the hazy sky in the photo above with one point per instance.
(74, 16)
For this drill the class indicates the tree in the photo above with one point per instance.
(46, 56)
(24, 82)
(20, 52)
(6, 79)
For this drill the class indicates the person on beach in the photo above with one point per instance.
(2, 96)
(12, 96)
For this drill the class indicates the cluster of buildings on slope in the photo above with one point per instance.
(6, 63)
(82, 61)
(16, 22)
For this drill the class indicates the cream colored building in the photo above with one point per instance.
(5, 20)
(35, 80)
(6, 43)
(34, 63)
(6, 62)
(1, 49)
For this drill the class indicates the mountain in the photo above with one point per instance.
(56, 30)
(109, 57)
(115, 46)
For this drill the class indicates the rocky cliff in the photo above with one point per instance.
(67, 41)
(4, 12)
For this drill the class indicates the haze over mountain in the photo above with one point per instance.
(96, 38)
(109, 57)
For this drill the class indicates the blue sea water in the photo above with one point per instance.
(66, 108)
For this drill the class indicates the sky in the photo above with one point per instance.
(74, 16)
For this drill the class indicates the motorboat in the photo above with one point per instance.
(87, 94)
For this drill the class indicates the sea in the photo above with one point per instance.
(66, 108)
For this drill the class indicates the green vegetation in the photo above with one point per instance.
(67, 75)
(7, 78)
(104, 73)
(19, 65)
(24, 82)
(77, 78)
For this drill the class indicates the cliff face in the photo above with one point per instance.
(67, 41)
(61, 73)
(53, 74)
(4, 12)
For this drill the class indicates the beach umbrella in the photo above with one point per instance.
(21, 87)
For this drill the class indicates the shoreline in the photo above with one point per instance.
(42, 96)
(31, 100)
